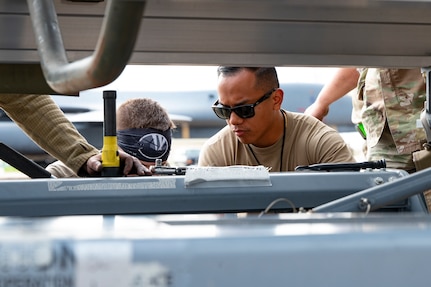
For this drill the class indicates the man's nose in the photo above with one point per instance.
(234, 119)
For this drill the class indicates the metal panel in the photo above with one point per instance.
(180, 251)
(281, 33)
(168, 194)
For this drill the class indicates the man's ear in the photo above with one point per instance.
(278, 98)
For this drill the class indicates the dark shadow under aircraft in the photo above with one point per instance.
(190, 110)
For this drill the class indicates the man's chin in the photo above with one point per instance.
(244, 140)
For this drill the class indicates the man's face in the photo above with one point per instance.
(240, 89)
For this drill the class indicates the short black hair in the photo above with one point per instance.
(266, 77)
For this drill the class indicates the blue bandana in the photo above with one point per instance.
(146, 144)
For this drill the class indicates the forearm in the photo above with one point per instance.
(344, 80)
(42, 120)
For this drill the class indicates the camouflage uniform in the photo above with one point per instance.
(392, 103)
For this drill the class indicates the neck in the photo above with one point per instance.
(283, 115)
(275, 132)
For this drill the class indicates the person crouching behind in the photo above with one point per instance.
(144, 130)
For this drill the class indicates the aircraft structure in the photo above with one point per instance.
(349, 224)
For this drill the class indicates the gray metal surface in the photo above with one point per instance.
(376, 197)
(296, 249)
(169, 194)
(252, 32)
(213, 32)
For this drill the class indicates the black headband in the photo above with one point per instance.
(146, 144)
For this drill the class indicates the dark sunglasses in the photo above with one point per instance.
(243, 111)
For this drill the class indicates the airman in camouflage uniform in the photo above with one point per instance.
(392, 103)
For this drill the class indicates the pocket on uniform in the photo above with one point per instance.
(422, 159)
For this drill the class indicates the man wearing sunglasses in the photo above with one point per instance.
(259, 132)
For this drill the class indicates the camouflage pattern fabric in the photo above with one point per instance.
(427, 195)
(358, 101)
(392, 102)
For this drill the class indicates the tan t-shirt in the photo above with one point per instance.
(308, 141)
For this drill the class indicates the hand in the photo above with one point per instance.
(132, 165)
(317, 111)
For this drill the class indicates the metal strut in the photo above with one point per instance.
(111, 55)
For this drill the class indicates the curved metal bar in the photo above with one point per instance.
(111, 55)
